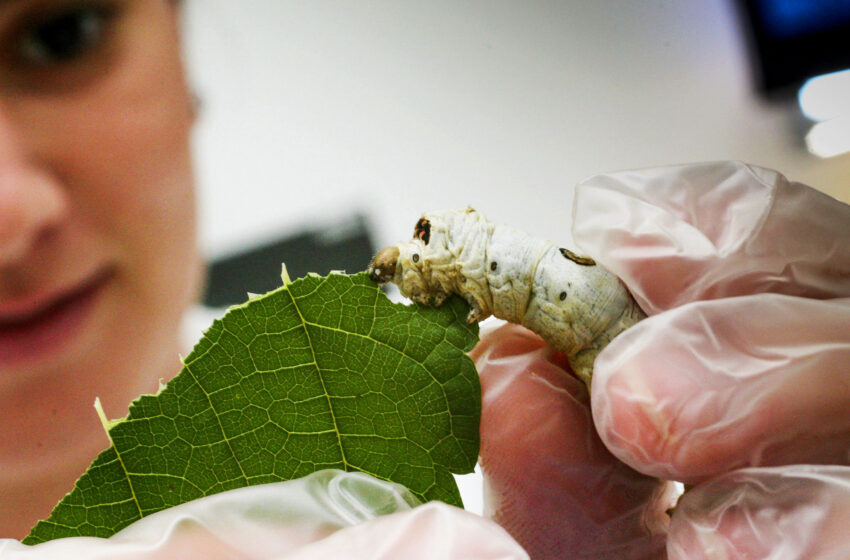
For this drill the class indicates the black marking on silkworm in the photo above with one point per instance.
(422, 230)
(520, 285)
(584, 261)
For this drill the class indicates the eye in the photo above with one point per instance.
(63, 36)
(415, 257)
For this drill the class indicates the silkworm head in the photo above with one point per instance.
(383, 266)
(412, 272)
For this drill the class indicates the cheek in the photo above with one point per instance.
(144, 175)
(123, 153)
(142, 193)
(138, 199)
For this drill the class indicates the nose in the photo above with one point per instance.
(32, 203)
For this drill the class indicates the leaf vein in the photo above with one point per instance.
(218, 421)
(321, 380)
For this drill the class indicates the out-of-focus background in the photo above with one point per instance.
(328, 126)
(336, 118)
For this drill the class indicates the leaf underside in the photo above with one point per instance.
(325, 372)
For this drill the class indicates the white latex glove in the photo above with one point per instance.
(745, 361)
(780, 513)
(329, 514)
(549, 480)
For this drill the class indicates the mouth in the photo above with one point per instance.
(34, 330)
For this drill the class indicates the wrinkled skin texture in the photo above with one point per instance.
(576, 306)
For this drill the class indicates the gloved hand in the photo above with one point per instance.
(329, 514)
(739, 378)
(548, 478)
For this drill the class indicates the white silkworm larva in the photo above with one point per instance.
(574, 304)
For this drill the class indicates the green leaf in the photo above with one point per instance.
(324, 372)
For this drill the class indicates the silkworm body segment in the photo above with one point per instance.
(574, 304)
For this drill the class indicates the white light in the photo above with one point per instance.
(826, 97)
(829, 138)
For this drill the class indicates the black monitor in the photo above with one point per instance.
(793, 40)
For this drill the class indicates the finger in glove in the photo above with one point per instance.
(548, 478)
(717, 385)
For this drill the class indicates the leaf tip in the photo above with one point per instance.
(284, 275)
(104, 421)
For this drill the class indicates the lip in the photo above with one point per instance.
(41, 326)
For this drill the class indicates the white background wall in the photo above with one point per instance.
(316, 109)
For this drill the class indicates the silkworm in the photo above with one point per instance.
(574, 304)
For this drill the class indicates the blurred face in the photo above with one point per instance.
(97, 241)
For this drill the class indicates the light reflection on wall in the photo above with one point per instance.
(826, 100)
